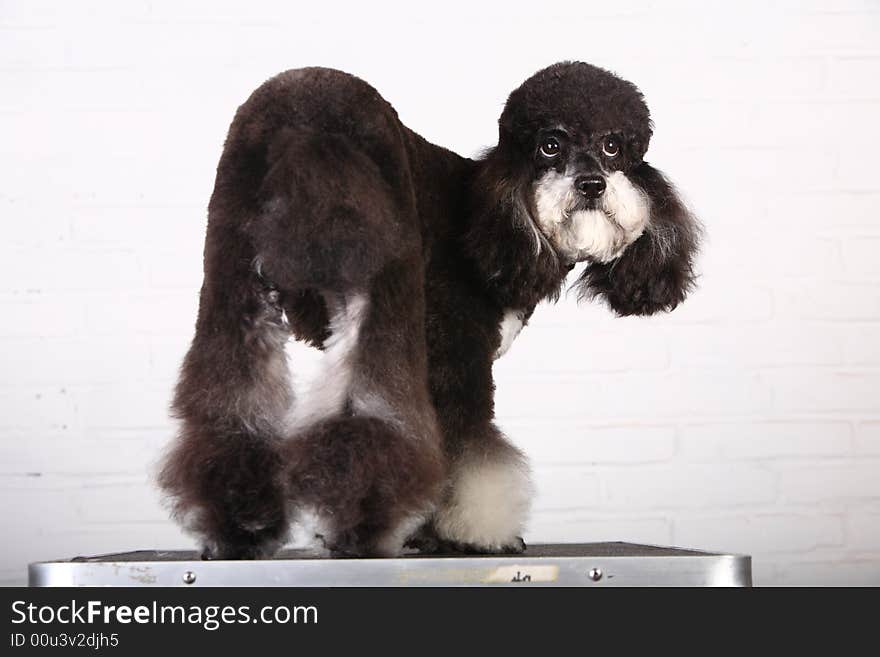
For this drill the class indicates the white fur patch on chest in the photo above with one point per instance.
(511, 325)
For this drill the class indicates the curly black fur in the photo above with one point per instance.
(333, 222)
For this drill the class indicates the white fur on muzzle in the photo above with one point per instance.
(601, 234)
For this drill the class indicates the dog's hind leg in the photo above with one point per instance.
(224, 473)
(363, 452)
(321, 225)
(342, 242)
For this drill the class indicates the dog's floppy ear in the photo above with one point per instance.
(656, 272)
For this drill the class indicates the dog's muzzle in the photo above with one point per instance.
(586, 215)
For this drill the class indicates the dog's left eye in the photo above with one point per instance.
(610, 146)
(550, 147)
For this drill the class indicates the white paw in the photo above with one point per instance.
(488, 504)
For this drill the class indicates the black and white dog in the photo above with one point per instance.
(412, 268)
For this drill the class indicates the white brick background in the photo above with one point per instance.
(748, 420)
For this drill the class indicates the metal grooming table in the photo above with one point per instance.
(582, 564)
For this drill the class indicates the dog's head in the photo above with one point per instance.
(573, 138)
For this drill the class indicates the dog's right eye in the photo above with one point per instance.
(550, 147)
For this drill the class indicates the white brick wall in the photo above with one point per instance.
(748, 420)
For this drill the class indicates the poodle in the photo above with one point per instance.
(412, 269)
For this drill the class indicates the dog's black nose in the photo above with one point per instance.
(590, 186)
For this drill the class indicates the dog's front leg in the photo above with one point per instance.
(488, 489)
(488, 500)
